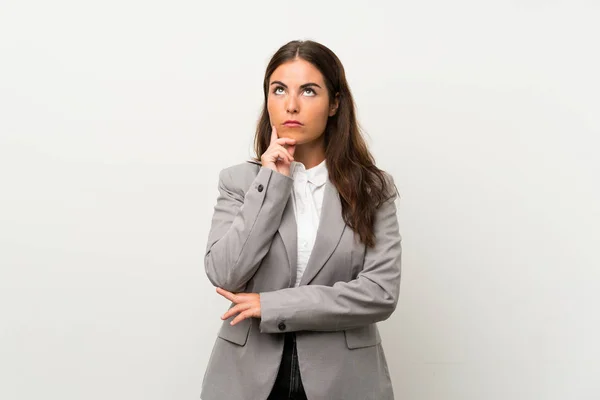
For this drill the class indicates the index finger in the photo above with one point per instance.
(274, 136)
(228, 295)
(283, 141)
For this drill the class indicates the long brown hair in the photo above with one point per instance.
(361, 185)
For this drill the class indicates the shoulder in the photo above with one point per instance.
(241, 171)
(388, 176)
(392, 191)
(239, 176)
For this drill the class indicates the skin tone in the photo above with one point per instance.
(280, 154)
(297, 91)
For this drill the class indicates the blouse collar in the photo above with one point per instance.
(316, 175)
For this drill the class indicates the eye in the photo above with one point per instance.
(306, 90)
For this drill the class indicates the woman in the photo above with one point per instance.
(305, 243)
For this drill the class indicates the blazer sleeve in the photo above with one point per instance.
(369, 298)
(243, 226)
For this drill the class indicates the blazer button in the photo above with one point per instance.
(281, 326)
(260, 188)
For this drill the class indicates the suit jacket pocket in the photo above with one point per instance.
(363, 336)
(237, 333)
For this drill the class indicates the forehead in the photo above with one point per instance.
(297, 72)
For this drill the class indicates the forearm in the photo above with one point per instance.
(371, 297)
(242, 229)
(344, 305)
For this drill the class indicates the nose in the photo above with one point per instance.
(291, 106)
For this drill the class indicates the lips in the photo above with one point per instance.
(292, 123)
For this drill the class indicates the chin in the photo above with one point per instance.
(293, 131)
(285, 134)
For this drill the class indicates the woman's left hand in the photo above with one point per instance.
(247, 305)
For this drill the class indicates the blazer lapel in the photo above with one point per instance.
(289, 234)
(329, 233)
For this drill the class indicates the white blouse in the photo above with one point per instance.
(307, 198)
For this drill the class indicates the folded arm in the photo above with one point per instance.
(369, 298)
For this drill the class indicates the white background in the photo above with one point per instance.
(116, 117)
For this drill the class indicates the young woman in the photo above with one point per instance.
(305, 244)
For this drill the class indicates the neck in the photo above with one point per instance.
(310, 154)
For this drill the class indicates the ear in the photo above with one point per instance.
(334, 106)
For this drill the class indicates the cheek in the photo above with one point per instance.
(272, 114)
(319, 112)
(317, 121)
(273, 103)
(319, 117)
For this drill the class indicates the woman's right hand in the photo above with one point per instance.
(277, 157)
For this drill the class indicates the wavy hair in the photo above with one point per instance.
(361, 185)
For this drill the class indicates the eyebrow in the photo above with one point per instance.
(301, 86)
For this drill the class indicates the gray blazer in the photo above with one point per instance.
(345, 290)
